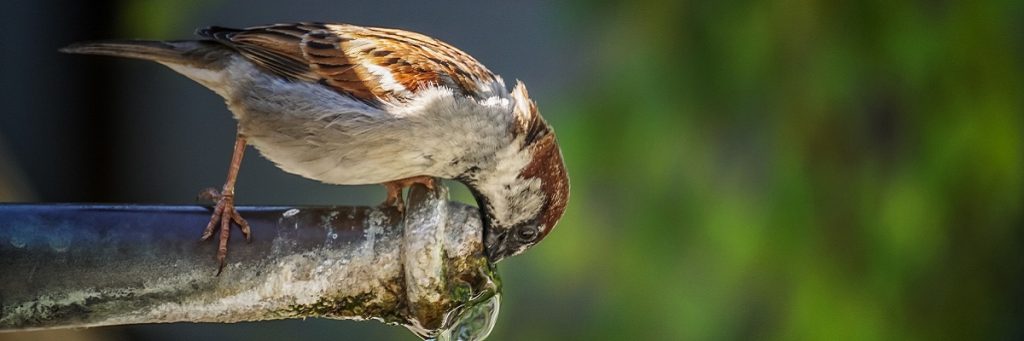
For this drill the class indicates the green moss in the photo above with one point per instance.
(364, 305)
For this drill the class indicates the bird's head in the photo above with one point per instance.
(524, 196)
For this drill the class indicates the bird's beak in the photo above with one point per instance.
(494, 245)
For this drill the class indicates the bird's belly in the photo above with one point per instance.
(341, 153)
(312, 131)
(330, 164)
(309, 130)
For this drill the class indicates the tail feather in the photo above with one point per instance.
(195, 53)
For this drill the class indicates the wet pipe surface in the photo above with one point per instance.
(71, 265)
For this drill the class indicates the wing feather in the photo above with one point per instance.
(370, 64)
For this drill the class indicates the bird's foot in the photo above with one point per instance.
(394, 198)
(223, 213)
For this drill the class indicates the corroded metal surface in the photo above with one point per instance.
(81, 265)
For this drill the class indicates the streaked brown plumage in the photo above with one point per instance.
(337, 54)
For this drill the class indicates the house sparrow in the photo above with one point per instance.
(347, 105)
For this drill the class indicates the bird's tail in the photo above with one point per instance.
(194, 53)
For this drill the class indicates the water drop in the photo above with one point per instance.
(475, 323)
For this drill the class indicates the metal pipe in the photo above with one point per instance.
(96, 265)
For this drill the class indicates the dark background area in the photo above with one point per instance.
(794, 169)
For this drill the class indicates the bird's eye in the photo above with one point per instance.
(527, 233)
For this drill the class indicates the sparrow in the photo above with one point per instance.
(348, 105)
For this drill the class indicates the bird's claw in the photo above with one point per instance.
(223, 214)
(394, 198)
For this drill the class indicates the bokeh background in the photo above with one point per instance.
(796, 169)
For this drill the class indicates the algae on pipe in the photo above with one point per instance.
(68, 266)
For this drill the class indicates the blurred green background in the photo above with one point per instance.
(792, 170)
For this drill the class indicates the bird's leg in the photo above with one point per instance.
(394, 198)
(224, 212)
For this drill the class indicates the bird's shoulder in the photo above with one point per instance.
(371, 64)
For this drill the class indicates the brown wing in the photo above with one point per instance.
(371, 64)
